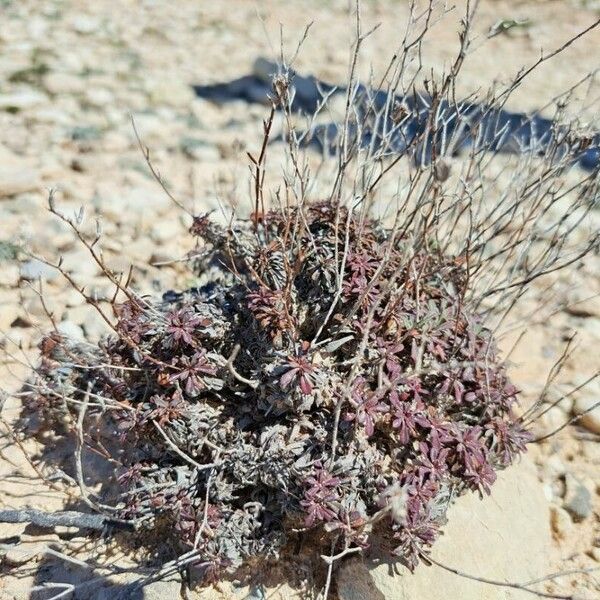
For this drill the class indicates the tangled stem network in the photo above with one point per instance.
(326, 380)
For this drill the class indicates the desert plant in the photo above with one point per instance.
(265, 403)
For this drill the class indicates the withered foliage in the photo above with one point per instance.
(326, 378)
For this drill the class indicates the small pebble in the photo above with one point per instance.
(561, 522)
(578, 499)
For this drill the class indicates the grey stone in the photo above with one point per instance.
(22, 100)
(35, 269)
(23, 553)
(578, 499)
(162, 590)
(199, 149)
(71, 331)
(504, 537)
(562, 524)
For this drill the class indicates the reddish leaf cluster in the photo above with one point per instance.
(329, 376)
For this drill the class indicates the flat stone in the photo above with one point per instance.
(199, 149)
(136, 204)
(141, 249)
(591, 451)
(167, 231)
(23, 553)
(585, 403)
(22, 100)
(578, 498)
(17, 180)
(504, 537)
(89, 320)
(587, 307)
(71, 331)
(99, 97)
(162, 590)
(170, 91)
(9, 274)
(8, 314)
(64, 83)
(35, 269)
(81, 263)
(51, 116)
(552, 419)
(561, 522)
(85, 24)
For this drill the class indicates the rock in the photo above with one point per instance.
(99, 97)
(588, 307)
(22, 100)
(89, 320)
(16, 179)
(64, 83)
(35, 269)
(504, 537)
(141, 249)
(162, 257)
(552, 419)
(561, 522)
(152, 129)
(81, 263)
(71, 331)
(167, 231)
(23, 553)
(592, 329)
(85, 24)
(578, 499)
(48, 538)
(161, 590)
(199, 149)
(595, 553)
(9, 313)
(170, 91)
(115, 141)
(591, 451)
(554, 490)
(138, 205)
(51, 116)
(85, 133)
(587, 403)
(553, 467)
(9, 275)
(355, 583)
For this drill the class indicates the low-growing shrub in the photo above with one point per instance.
(326, 378)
